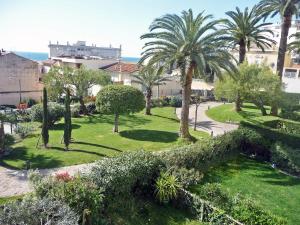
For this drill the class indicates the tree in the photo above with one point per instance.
(68, 121)
(80, 80)
(191, 45)
(255, 83)
(119, 99)
(45, 131)
(149, 77)
(245, 29)
(287, 9)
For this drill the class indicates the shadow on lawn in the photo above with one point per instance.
(36, 160)
(125, 120)
(150, 135)
(61, 126)
(79, 150)
(253, 168)
(168, 118)
(97, 145)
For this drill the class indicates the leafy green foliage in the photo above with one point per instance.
(119, 99)
(176, 101)
(37, 211)
(24, 129)
(253, 83)
(242, 209)
(80, 194)
(55, 113)
(127, 172)
(167, 187)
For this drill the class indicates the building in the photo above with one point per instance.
(19, 79)
(122, 73)
(81, 50)
(291, 72)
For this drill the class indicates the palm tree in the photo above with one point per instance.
(295, 44)
(190, 44)
(149, 77)
(244, 29)
(287, 9)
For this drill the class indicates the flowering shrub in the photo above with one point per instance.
(65, 177)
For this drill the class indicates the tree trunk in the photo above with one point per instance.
(148, 102)
(238, 103)
(116, 127)
(82, 106)
(196, 117)
(285, 27)
(45, 125)
(186, 96)
(242, 52)
(2, 137)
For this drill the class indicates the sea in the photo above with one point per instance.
(40, 56)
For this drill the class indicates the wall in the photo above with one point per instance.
(16, 71)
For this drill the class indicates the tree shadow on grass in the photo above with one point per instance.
(150, 135)
(168, 118)
(97, 145)
(35, 160)
(61, 126)
(79, 150)
(130, 121)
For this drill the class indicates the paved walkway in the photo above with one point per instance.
(15, 182)
(204, 123)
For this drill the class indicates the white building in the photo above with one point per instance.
(81, 50)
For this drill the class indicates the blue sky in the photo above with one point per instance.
(30, 25)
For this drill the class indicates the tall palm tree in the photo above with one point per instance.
(190, 44)
(244, 29)
(149, 77)
(287, 9)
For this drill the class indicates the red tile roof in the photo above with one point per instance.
(123, 68)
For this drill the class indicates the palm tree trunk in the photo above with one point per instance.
(242, 52)
(238, 103)
(186, 96)
(82, 106)
(116, 127)
(285, 27)
(148, 102)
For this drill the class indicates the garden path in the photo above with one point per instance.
(15, 182)
(204, 123)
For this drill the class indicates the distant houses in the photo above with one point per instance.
(20, 79)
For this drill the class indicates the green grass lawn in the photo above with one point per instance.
(275, 191)
(94, 139)
(249, 113)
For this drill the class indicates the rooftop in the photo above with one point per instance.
(121, 67)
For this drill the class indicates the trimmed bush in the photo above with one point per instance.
(55, 113)
(127, 173)
(176, 102)
(23, 130)
(80, 194)
(36, 212)
(75, 111)
(91, 107)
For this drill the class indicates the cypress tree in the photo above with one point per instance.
(2, 135)
(45, 131)
(68, 122)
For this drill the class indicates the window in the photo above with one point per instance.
(290, 73)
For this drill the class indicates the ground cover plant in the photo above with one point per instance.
(93, 139)
(271, 189)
